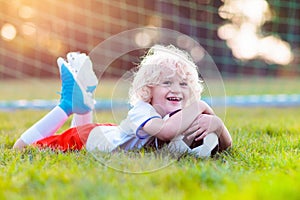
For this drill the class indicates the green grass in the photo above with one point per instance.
(262, 164)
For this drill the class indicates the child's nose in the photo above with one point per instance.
(175, 88)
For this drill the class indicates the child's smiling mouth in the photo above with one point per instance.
(177, 99)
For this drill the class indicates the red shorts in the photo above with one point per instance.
(72, 139)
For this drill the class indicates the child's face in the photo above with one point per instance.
(170, 94)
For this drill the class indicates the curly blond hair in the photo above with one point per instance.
(156, 61)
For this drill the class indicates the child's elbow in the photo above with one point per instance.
(229, 144)
(226, 145)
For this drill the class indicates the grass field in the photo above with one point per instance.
(262, 164)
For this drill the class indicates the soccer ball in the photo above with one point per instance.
(204, 148)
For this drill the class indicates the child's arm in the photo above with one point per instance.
(178, 123)
(205, 124)
(224, 138)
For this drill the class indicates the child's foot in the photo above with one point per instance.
(78, 85)
(83, 66)
(19, 144)
(210, 142)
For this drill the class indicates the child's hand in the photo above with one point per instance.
(203, 125)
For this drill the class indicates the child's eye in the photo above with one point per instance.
(183, 84)
(167, 83)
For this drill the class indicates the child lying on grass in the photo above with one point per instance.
(166, 108)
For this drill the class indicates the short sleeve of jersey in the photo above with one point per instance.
(139, 115)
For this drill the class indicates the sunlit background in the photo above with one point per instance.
(244, 37)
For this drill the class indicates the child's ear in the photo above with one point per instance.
(146, 93)
(150, 100)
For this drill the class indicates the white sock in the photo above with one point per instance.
(79, 120)
(46, 126)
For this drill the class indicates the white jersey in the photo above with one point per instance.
(128, 135)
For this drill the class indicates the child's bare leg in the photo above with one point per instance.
(79, 120)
